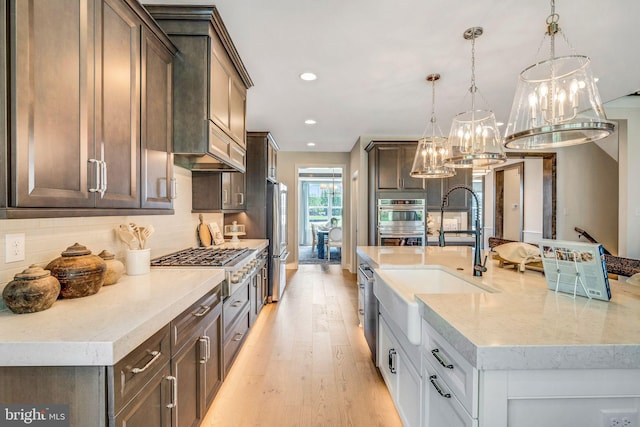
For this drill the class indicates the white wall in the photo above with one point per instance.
(511, 201)
(46, 238)
(288, 164)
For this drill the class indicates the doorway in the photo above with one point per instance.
(509, 200)
(321, 209)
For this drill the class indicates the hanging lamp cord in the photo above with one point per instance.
(433, 108)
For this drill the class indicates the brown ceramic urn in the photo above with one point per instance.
(32, 290)
(79, 272)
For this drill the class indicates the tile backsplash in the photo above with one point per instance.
(46, 238)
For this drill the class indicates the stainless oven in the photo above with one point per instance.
(401, 222)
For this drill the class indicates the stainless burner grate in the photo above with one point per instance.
(199, 257)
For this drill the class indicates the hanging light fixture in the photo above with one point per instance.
(557, 102)
(432, 150)
(474, 139)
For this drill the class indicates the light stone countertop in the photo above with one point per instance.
(101, 329)
(522, 325)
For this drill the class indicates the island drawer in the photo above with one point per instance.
(183, 326)
(130, 375)
(454, 369)
(438, 396)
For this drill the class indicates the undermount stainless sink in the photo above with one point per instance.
(396, 290)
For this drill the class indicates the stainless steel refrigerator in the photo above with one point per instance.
(277, 234)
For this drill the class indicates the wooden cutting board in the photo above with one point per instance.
(204, 235)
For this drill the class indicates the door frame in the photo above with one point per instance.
(499, 211)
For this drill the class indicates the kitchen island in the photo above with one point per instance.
(523, 354)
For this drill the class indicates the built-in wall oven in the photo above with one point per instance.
(401, 222)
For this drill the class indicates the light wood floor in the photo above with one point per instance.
(306, 362)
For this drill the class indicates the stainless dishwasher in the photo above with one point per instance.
(370, 324)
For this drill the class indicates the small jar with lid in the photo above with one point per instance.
(33, 290)
(79, 272)
(115, 268)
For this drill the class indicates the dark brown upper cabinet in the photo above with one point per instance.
(77, 86)
(391, 163)
(210, 89)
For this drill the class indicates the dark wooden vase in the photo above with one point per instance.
(79, 272)
(35, 289)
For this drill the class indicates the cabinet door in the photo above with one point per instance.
(151, 407)
(157, 134)
(53, 125)
(440, 404)
(186, 368)
(459, 199)
(118, 98)
(219, 93)
(272, 161)
(406, 163)
(388, 357)
(434, 194)
(388, 159)
(233, 191)
(213, 366)
(237, 107)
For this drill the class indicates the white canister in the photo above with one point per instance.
(138, 261)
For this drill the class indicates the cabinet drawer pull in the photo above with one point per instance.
(436, 354)
(174, 391)
(204, 310)
(203, 341)
(98, 184)
(392, 360)
(156, 354)
(238, 336)
(433, 379)
(208, 339)
(174, 189)
(103, 183)
(236, 304)
(361, 311)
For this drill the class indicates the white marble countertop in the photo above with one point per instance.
(522, 325)
(101, 329)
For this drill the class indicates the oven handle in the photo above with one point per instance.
(400, 234)
(401, 208)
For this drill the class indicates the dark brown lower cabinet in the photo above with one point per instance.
(151, 406)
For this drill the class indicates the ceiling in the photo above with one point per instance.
(372, 58)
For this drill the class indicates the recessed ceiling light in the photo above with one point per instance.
(308, 76)
(310, 122)
(596, 79)
(499, 123)
(311, 144)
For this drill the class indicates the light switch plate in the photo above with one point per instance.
(14, 249)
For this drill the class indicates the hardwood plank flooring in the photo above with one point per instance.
(306, 362)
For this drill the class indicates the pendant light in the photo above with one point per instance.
(557, 102)
(431, 151)
(474, 139)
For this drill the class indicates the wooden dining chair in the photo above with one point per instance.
(314, 236)
(334, 240)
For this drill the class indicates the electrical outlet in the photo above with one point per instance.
(619, 417)
(14, 247)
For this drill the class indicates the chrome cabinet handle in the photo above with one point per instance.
(436, 354)
(236, 304)
(204, 310)
(238, 336)
(361, 311)
(435, 384)
(174, 189)
(208, 339)
(392, 360)
(103, 184)
(224, 196)
(156, 354)
(203, 341)
(241, 198)
(174, 391)
(98, 186)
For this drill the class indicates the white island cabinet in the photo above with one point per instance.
(518, 355)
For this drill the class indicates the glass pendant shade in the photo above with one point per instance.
(432, 150)
(556, 104)
(429, 159)
(474, 138)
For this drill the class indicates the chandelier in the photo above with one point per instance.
(474, 139)
(432, 150)
(557, 102)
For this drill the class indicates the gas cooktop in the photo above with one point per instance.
(201, 257)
